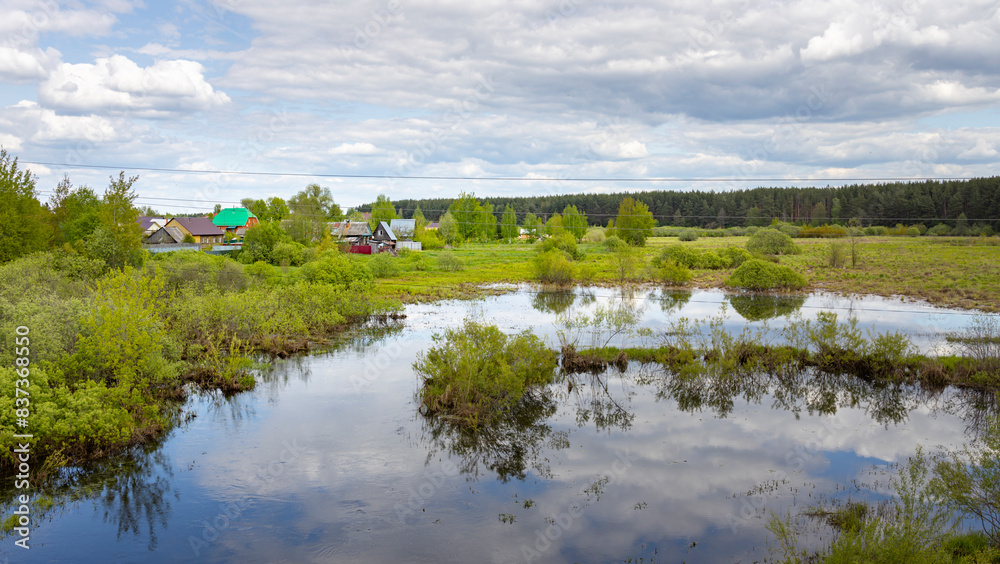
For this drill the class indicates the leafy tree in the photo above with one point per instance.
(467, 213)
(382, 210)
(574, 221)
(23, 227)
(420, 222)
(508, 224)
(449, 230)
(554, 226)
(755, 217)
(277, 209)
(259, 209)
(835, 210)
(486, 224)
(259, 242)
(634, 223)
(532, 225)
(75, 213)
(819, 216)
(310, 210)
(215, 210)
(118, 239)
(961, 225)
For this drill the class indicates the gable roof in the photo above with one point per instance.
(233, 217)
(350, 229)
(151, 223)
(403, 227)
(198, 226)
(388, 230)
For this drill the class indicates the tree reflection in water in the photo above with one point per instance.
(509, 445)
(758, 307)
(133, 491)
(672, 301)
(554, 301)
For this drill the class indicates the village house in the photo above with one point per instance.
(201, 229)
(235, 221)
(357, 233)
(150, 225)
(383, 239)
(405, 230)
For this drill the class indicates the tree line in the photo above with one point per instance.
(887, 204)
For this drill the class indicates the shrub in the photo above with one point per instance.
(613, 242)
(939, 230)
(912, 232)
(625, 259)
(288, 254)
(553, 266)
(430, 240)
(823, 231)
(384, 265)
(688, 235)
(264, 273)
(711, 260)
(678, 254)
(673, 274)
(340, 270)
(735, 256)
(565, 242)
(449, 262)
(595, 235)
(756, 274)
(837, 255)
(772, 242)
(477, 372)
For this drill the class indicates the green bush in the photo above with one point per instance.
(837, 254)
(477, 372)
(688, 235)
(264, 273)
(711, 260)
(554, 267)
(384, 265)
(771, 242)
(290, 253)
(678, 254)
(449, 262)
(595, 235)
(673, 274)
(430, 240)
(735, 256)
(565, 242)
(939, 230)
(338, 269)
(756, 274)
(614, 242)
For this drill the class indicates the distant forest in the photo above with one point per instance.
(928, 202)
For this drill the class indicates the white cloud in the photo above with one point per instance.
(983, 150)
(117, 84)
(18, 65)
(838, 40)
(354, 149)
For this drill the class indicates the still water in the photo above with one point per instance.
(327, 459)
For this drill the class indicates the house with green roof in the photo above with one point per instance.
(235, 221)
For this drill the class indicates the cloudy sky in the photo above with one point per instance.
(804, 92)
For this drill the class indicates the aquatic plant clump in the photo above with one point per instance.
(756, 274)
(477, 371)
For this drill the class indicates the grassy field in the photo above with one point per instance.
(957, 272)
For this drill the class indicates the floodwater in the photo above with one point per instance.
(329, 461)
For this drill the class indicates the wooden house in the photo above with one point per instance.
(201, 229)
(150, 225)
(235, 221)
(166, 236)
(357, 233)
(383, 238)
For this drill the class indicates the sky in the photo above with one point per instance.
(722, 95)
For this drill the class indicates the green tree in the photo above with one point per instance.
(961, 225)
(382, 210)
(448, 229)
(634, 222)
(508, 224)
(554, 226)
(467, 213)
(259, 242)
(755, 217)
(259, 209)
(118, 239)
(75, 213)
(486, 224)
(23, 226)
(574, 221)
(836, 209)
(277, 209)
(420, 222)
(819, 216)
(532, 226)
(310, 210)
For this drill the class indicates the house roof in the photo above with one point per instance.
(350, 229)
(147, 223)
(166, 234)
(233, 217)
(388, 230)
(198, 226)
(404, 227)
(175, 234)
